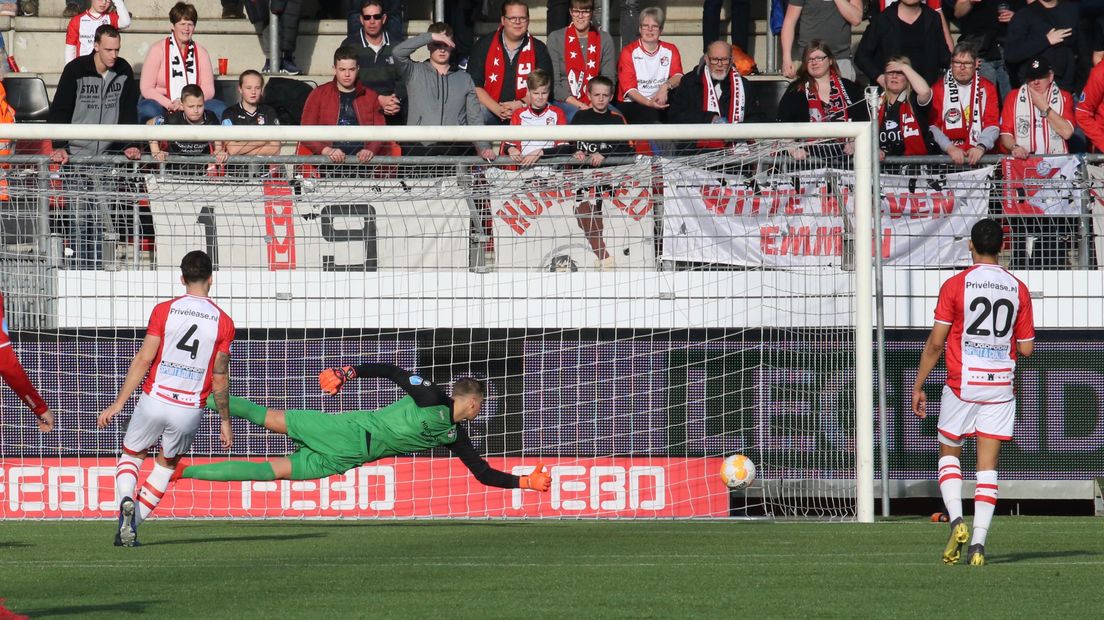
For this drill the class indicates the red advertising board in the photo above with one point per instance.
(399, 487)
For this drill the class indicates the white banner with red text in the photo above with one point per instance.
(797, 220)
(389, 488)
(567, 219)
(345, 225)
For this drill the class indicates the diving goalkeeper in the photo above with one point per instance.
(333, 444)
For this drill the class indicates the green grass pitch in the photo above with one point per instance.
(1039, 567)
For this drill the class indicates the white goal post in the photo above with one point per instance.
(656, 308)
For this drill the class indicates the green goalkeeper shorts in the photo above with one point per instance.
(328, 444)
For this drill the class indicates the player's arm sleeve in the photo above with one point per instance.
(463, 449)
(946, 307)
(1024, 329)
(424, 394)
(226, 333)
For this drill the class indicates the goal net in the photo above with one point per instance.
(694, 296)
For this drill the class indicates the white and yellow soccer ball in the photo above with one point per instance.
(737, 471)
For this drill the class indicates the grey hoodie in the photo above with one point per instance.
(433, 99)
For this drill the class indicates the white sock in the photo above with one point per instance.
(153, 489)
(950, 485)
(126, 476)
(985, 502)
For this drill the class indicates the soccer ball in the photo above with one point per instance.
(737, 471)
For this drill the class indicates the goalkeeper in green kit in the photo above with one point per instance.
(333, 444)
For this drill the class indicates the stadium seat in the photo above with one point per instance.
(763, 98)
(226, 91)
(287, 96)
(29, 97)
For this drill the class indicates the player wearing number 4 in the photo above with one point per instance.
(195, 364)
(333, 444)
(984, 317)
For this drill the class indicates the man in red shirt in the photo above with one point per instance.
(984, 319)
(1090, 108)
(344, 101)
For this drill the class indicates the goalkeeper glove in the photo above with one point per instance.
(331, 379)
(539, 480)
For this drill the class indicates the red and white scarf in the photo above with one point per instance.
(837, 104)
(737, 105)
(1033, 131)
(581, 68)
(955, 114)
(910, 127)
(181, 69)
(495, 67)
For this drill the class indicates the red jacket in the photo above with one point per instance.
(1090, 108)
(322, 108)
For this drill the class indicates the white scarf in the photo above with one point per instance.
(180, 69)
(713, 101)
(1033, 131)
(954, 113)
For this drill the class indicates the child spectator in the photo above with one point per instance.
(250, 111)
(191, 113)
(539, 113)
(82, 27)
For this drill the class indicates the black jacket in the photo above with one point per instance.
(84, 97)
(882, 41)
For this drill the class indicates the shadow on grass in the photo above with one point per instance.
(1008, 558)
(128, 607)
(210, 539)
(12, 544)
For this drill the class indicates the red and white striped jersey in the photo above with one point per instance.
(192, 330)
(528, 117)
(989, 311)
(82, 29)
(645, 71)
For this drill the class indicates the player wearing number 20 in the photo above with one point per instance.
(186, 352)
(984, 318)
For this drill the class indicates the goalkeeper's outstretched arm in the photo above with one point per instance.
(425, 394)
(484, 473)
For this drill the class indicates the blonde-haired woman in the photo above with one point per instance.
(903, 116)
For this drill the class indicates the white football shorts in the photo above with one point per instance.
(153, 418)
(959, 419)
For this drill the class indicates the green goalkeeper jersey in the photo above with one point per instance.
(404, 427)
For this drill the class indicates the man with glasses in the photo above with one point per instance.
(965, 119)
(501, 61)
(377, 66)
(712, 93)
(579, 53)
(906, 28)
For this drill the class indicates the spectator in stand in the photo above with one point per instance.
(82, 28)
(377, 67)
(879, 6)
(984, 24)
(192, 112)
(558, 17)
(174, 63)
(539, 113)
(739, 17)
(500, 62)
(289, 13)
(1090, 109)
(1048, 29)
(1038, 117)
(712, 93)
(907, 28)
(346, 102)
(579, 53)
(250, 111)
(438, 94)
(903, 116)
(96, 89)
(824, 21)
(647, 72)
(395, 26)
(965, 119)
(588, 211)
(821, 95)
